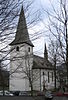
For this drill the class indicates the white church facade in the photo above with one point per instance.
(27, 69)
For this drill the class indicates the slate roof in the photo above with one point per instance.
(38, 63)
(22, 35)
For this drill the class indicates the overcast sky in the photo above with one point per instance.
(41, 5)
(42, 39)
(40, 42)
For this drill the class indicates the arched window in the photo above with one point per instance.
(28, 49)
(52, 76)
(17, 48)
(48, 78)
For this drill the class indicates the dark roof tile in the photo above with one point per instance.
(38, 63)
(22, 35)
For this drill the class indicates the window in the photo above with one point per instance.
(48, 78)
(28, 49)
(52, 76)
(17, 48)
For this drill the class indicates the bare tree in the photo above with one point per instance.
(9, 14)
(53, 49)
(58, 23)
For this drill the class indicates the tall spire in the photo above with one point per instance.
(22, 35)
(45, 53)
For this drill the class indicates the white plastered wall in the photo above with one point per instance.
(21, 62)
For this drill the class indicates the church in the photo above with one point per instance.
(26, 69)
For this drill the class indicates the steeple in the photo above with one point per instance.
(22, 35)
(45, 53)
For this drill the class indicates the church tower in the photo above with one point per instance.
(45, 53)
(21, 57)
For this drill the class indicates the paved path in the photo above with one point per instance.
(30, 98)
(22, 98)
(60, 98)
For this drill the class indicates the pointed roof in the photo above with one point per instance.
(22, 35)
(45, 53)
